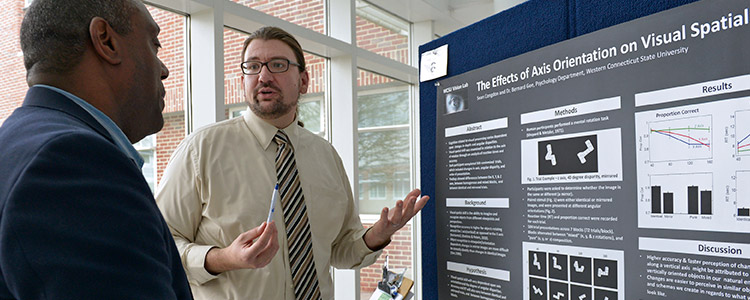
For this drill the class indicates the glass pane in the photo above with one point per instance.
(311, 106)
(383, 114)
(237, 112)
(382, 32)
(401, 184)
(382, 156)
(149, 142)
(233, 41)
(384, 109)
(384, 170)
(172, 38)
(309, 114)
(13, 81)
(306, 13)
(149, 167)
(147, 149)
(368, 81)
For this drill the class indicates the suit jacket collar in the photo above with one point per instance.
(47, 98)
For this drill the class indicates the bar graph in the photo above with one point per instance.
(663, 203)
(686, 194)
(743, 212)
(742, 178)
(693, 166)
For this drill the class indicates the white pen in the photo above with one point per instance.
(274, 197)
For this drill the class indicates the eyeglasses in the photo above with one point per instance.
(276, 65)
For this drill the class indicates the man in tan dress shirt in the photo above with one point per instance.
(217, 188)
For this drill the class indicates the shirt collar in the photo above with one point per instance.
(118, 136)
(264, 131)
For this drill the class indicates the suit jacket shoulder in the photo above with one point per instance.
(77, 219)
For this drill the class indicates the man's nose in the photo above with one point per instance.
(164, 70)
(265, 75)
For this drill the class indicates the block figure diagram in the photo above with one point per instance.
(572, 273)
(568, 156)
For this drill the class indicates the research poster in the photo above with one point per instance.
(612, 166)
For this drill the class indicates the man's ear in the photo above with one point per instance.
(304, 78)
(105, 41)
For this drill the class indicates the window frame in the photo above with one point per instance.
(206, 21)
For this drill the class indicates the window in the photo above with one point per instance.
(384, 166)
(310, 14)
(155, 150)
(311, 105)
(401, 185)
(377, 186)
(237, 111)
(311, 112)
(173, 54)
(312, 108)
(147, 149)
(382, 32)
(233, 41)
(385, 160)
(383, 140)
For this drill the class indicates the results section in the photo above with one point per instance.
(565, 173)
(688, 165)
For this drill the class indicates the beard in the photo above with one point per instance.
(275, 109)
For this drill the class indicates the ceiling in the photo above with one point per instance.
(448, 15)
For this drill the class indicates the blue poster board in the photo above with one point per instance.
(526, 27)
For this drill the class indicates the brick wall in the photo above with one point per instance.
(378, 39)
(232, 75)
(167, 140)
(399, 254)
(381, 40)
(307, 13)
(12, 72)
(172, 53)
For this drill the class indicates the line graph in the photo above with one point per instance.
(686, 139)
(693, 166)
(742, 132)
(680, 139)
(742, 146)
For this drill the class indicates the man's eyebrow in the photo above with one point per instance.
(153, 27)
(272, 57)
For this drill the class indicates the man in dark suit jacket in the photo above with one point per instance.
(77, 218)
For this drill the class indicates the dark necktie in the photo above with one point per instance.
(299, 239)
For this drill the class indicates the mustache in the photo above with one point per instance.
(266, 85)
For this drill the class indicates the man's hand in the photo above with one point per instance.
(391, 220)
(244, 253)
